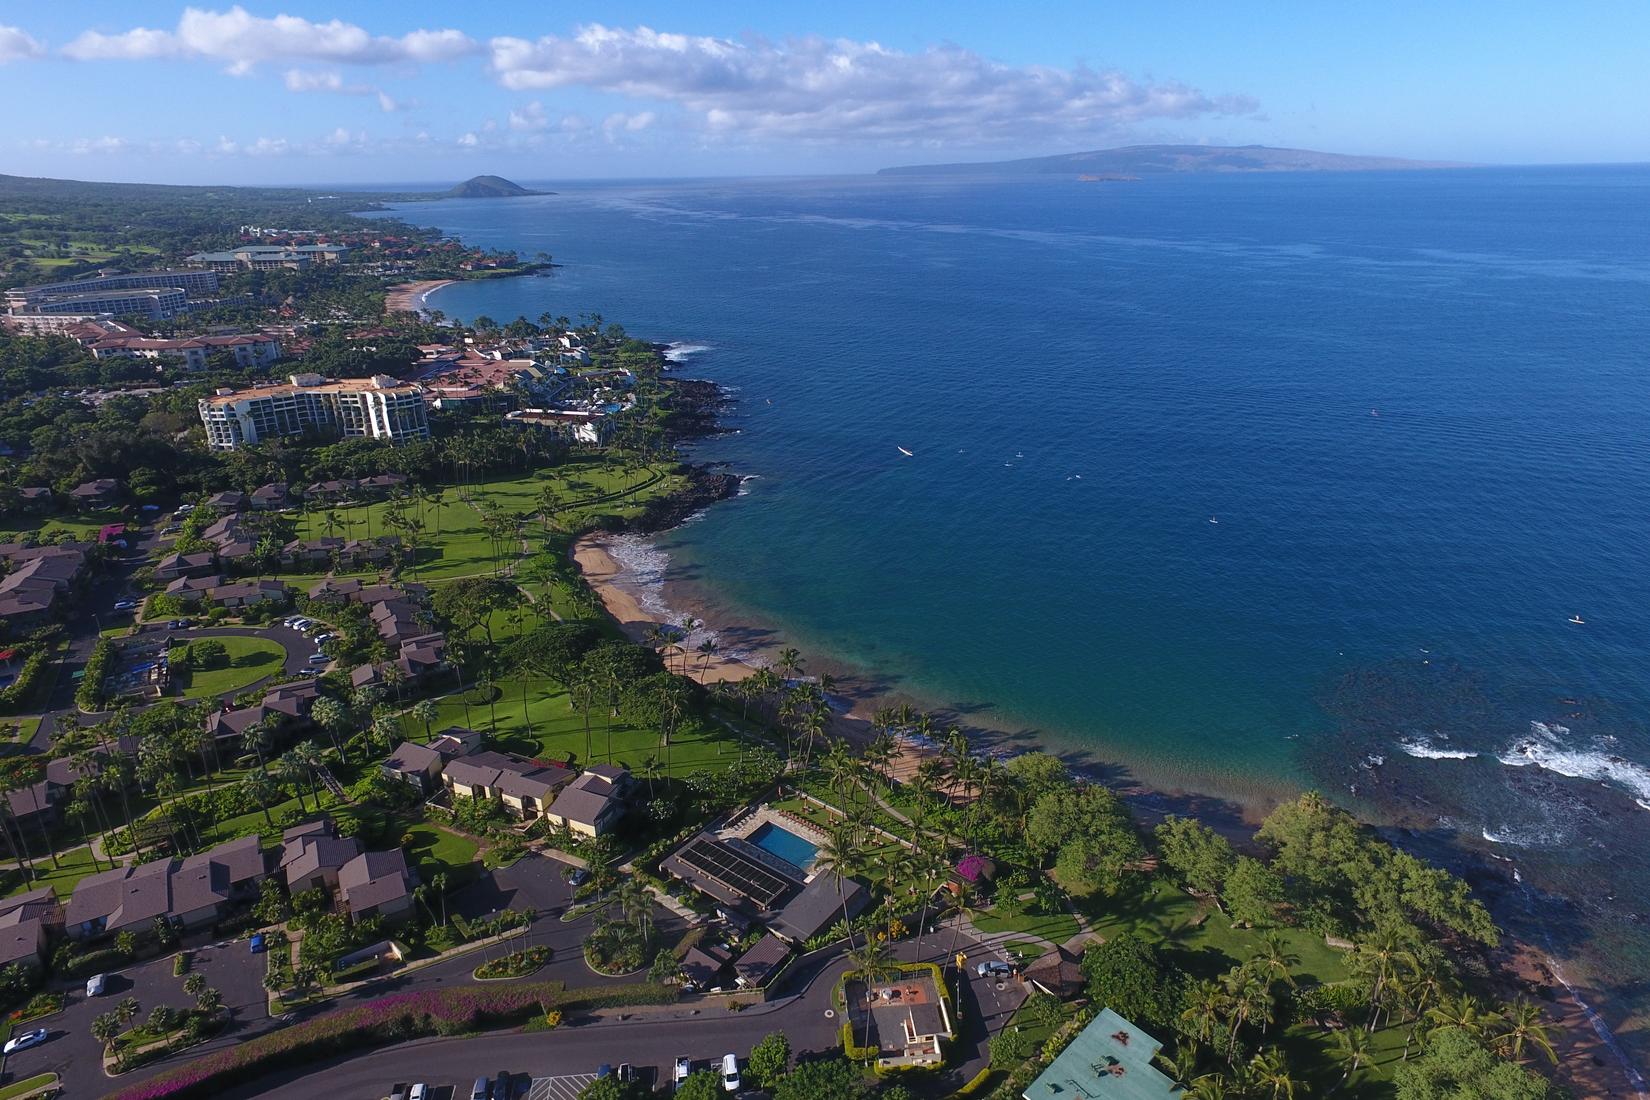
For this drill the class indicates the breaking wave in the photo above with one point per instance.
(1544, 748)
(680, 353)
(1425, 750)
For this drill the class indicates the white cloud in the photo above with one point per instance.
(820, 89)
(304, 80)
(241, 40)
(17, 44)
(617, 122)
(98, 145)
(469, 141)
(390, 105)
(530, 118)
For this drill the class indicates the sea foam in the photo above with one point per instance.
(680, 353)
(1423, 749)
(1545, 749)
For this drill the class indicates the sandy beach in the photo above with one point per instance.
(410, 297)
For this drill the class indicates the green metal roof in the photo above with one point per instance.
(1111, 1059)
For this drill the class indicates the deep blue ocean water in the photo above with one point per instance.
(1235, 483)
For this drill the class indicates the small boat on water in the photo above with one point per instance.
(903, 451)
(1212, 519)
(1578, 620)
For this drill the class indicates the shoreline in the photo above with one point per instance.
(412, 297)
(1593, 1065)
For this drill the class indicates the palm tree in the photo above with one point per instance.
(1274, 959)
(1352, 1052)
(427, 712)
(126, 1011)
(1182, 1066)
(292, 770)
(1205, 1010)
(841, 856)
(106, 1029)
(1378, 961)
(208, 1001)
(1211, 1086)
(1462, 1012)
(1519, 1024)
(1270, 1071)
(261, 788)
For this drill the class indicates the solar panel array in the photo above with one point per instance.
(735, 871)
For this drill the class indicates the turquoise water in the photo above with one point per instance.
(793, 849)
(1229, 483)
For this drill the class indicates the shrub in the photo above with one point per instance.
(180, 964)
(95, 962)
(21, 690)
(90, 696)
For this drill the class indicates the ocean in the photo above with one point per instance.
(1231, 484)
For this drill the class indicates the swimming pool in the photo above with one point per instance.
(793, 849)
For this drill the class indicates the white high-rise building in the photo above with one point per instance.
(379, 407)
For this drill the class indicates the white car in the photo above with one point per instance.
(298, 624)
(94, 985)
(25, 1041)
(318, 658)
(416, 1092)
(730, 1073)
(684, 1070)
(125, 605)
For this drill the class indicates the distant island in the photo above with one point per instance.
(489, 187)
(1132, 161)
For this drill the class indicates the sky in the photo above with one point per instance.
(414, 91)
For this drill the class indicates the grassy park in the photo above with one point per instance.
(250, 659)
(453, 540)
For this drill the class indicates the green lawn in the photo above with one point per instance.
(249, 659)
(434, 850)
(27, 1085)
(1056, 927)
(20, 729)
(547, 727)
(81, 525)
(1161, 911)
(453, 542)
(74, 866)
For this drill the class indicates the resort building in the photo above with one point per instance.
(379, 407)
(23, 299)
(270, 257)
(1110, 1057)
(591, 426)
(594, 802)
(246, 349)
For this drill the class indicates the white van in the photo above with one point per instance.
(730, 1073)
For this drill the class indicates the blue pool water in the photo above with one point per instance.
(784, 844)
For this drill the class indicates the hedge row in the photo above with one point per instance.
(395, 1018)
(21, 690)
(90, 693)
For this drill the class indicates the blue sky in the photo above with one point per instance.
(307, 92)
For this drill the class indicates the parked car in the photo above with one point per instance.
(171, 529)
(398, 1091)
(94, 985)
(126, 605)
(730, 1073)
(604, 1070)
(627, 1073)
(321, 639)
(259, 944)
(417, 1092)
(298, 623)
(578, 876)
(25, 1041)
(684, 1070)
(504, 1085)
(994, 970)
(318, 658)
(480, 1089)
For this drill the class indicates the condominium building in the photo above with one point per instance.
(260, 257)
(379, 407)
(24, 299)
(247, 349)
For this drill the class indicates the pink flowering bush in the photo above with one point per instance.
(394, 1018)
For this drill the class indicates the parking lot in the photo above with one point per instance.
(566, 1087)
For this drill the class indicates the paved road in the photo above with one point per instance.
(700, 1028)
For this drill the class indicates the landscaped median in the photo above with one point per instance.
(391, 1019)
(41, 1084)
